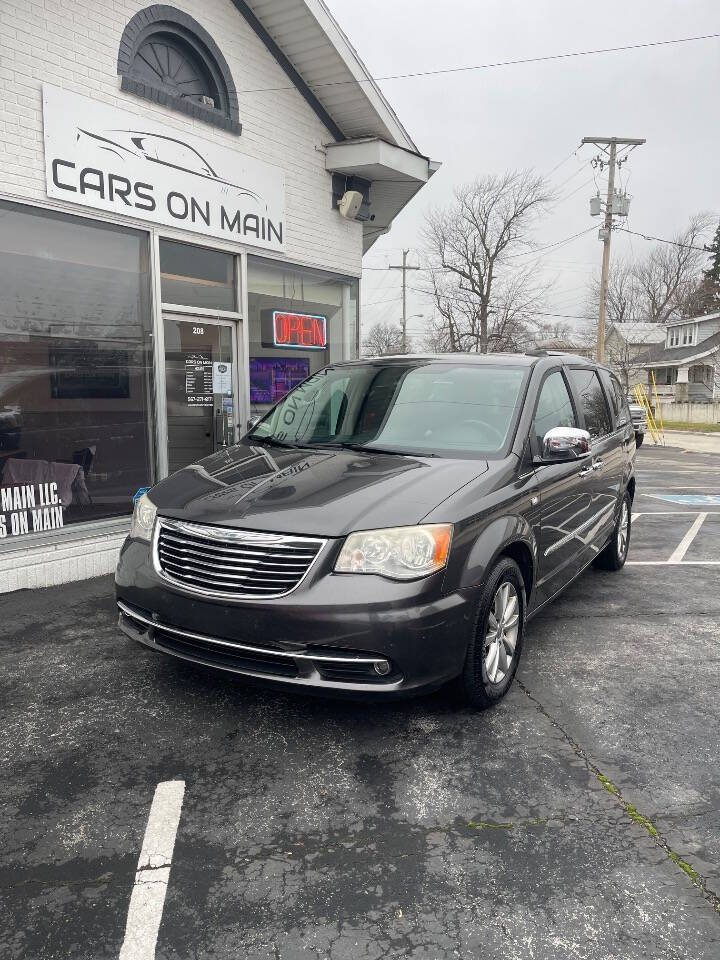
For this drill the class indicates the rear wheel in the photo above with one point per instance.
(614, 555)
(495, 648)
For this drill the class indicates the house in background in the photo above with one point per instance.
(561, 345)
(625, 343)
(686, 365)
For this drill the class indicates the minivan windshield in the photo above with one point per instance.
(426, 408)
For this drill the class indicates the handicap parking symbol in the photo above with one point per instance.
(689, 499)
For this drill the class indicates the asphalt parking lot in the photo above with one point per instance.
(579, 819)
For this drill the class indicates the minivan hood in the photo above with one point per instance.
(316, 492)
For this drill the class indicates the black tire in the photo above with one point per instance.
(639, 437)
(475, 687)
(614, 555)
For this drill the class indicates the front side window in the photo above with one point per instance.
(444, 409)
(593, 402)
(554, 407)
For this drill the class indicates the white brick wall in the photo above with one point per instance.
(59, 562)
(74, 45)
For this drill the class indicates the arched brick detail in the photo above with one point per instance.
(161, 17)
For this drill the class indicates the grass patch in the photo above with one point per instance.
(637, 817)
(693, 874)
(692, 427)
(608, 784)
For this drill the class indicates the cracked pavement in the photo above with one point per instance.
(330, 829)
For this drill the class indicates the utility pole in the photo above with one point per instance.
(609, 146)
(404, 269)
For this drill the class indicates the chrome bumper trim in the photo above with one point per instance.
(314, 680)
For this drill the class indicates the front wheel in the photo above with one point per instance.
(496, 645)
(614, 555)
(639, 437)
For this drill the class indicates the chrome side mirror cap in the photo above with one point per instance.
(566, 443)
(253, 422)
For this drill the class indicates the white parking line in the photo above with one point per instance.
(682, 548)
(672, 563)
(153, 873)
(674, 513)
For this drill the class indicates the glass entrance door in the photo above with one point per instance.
(201, 387)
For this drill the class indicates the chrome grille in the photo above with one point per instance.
(224, 562)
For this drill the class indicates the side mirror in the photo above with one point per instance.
(565, 443)
(253, 422)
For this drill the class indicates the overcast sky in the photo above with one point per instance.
(535, 115)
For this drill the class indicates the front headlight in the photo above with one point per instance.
(399, 553)
(143, 518)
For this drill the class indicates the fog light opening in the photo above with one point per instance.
(381, 667)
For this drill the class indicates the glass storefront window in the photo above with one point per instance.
(299, 320)
(195, 276)
(75, 370)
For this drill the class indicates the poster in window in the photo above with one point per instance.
(199, 380)
(272, 378)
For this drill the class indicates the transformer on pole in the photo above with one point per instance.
(616, 204)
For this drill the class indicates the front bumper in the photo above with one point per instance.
(337, 632)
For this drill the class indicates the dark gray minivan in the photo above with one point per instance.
(390, 525)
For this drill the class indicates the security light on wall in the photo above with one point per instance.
(350, 203)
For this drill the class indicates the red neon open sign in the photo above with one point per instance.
(302, 330)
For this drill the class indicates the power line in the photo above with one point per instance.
(549, 246)
(376, 303)
(673, 243)
(543, 313)
(385, 269)
(562, 162)
(572, 193)
(489, 66)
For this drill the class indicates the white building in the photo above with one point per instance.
(172, 256)
(686, 364)
(625, 343)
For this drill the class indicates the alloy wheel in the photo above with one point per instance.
(502, 632)
(623, 530)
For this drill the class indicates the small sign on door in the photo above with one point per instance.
(222, 377)
(199, 377)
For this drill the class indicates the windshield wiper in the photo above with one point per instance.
(273, 442)
(365, 448)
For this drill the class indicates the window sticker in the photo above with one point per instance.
(30, 508)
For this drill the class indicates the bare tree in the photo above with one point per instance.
(659, 287)
(483, 298)
(557, 332)
(625, 302)
(671, 273)
(384, 339)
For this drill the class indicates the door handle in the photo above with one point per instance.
(597, 465)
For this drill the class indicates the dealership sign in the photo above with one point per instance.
(105, 158)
